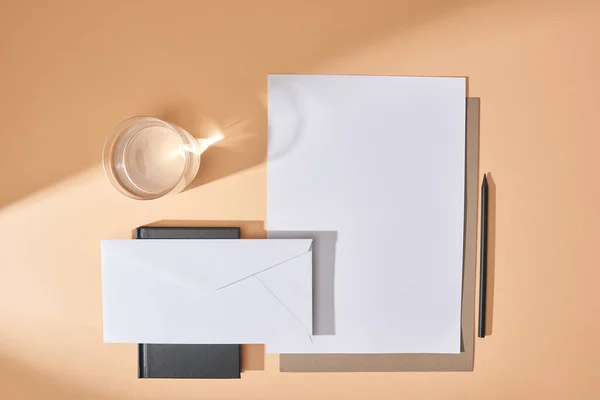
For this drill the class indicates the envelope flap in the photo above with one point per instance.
(208, 265)
(291, 284)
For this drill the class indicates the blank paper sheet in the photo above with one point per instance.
(377, 164)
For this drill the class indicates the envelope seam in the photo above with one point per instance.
(288, 310)
(260, 272)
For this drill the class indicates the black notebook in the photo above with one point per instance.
(199, 361)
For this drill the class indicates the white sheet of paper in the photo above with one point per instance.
(207, 291)
(378, 162)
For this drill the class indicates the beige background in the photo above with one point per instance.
(69, 71)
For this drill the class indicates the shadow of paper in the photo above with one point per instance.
(491, 256)
(253, 355)
(323, 249)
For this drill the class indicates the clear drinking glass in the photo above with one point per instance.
(146, 158)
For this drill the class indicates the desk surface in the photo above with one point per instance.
(72, 70)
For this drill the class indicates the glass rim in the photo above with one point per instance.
(108, 167)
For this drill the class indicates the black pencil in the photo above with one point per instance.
(483, 257)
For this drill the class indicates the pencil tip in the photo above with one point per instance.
(485, 177)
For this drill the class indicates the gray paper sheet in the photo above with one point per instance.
(421, 362)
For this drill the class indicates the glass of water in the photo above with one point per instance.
(146, 158)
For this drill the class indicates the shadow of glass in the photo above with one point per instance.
(323, 250)
(285, 121)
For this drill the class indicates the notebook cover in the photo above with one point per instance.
(421, 362)
(199, 361)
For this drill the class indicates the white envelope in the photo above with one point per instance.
(207, 291)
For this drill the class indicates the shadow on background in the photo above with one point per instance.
(491, 257)
(19, 381)
(253, 355)
(58, 106)
(244, 145)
